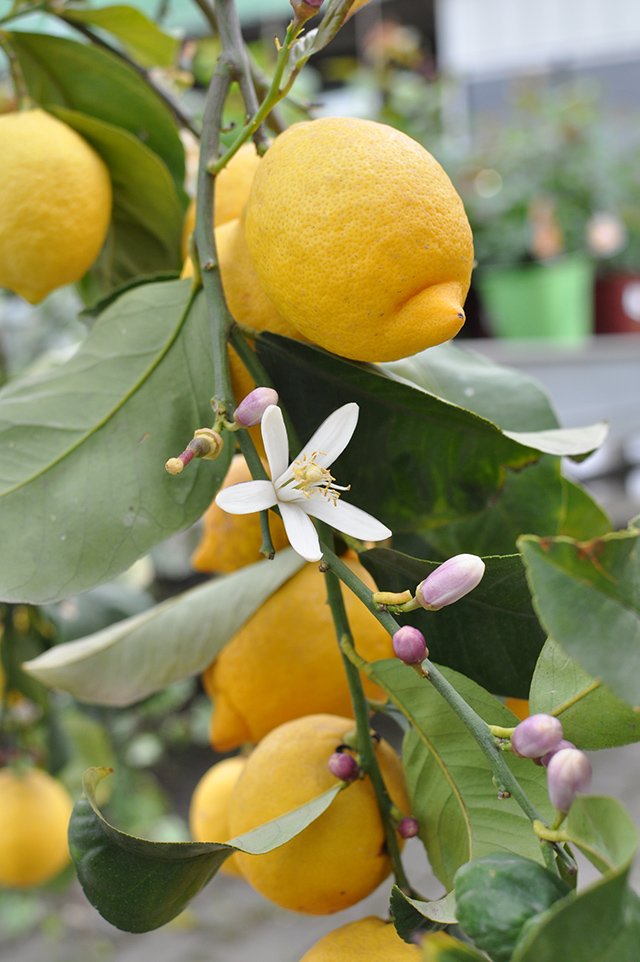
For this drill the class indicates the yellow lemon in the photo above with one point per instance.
(232, 189)
(519, 707)
(55, 204)
(231, 541)
(359, 239)
(285, 661)
(340, 858)
(34, 813)
(209, 808)
(370, 939)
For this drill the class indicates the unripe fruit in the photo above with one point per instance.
(568, 774)
(450, 582)
(409, 645)
(536, 735)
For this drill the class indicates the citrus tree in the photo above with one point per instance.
(423, 556)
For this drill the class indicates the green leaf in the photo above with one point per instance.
(586, 593)
(411, 915)
(591, 715)
(497, 894)
(531, 501)
(146, 224)
(440, 462)
(582, 518)
(508, 397)
(83, 488)
(81, 77)
(130, 660)
(441, 947)
(449, 781)
(139, 885)
(602, 923)
(491, 635)
(139, 35)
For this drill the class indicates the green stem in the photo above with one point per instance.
(236, 51)
(273, 97)
(220, 318)
(366, 749)
(477, 727)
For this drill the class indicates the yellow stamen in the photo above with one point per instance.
(309, 476)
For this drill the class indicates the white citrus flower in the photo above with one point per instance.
(305, 487)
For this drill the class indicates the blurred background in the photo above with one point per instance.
(534, 112)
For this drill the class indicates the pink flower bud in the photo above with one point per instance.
(305, 9)
(344, 766)
(450, 582)
(408, 827)
(250, 410)
(545, 759)
(568, 773)
(409, 645)
(536, 735)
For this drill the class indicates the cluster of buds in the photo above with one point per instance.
(539, 737)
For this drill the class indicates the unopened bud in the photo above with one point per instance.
(545, 759)
(408, 827)
(568, 773)
(536, 735)
(305, 9)
(409, 645)
(344, 766)
(450, 581)
(250, 410)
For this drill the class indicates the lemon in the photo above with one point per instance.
(370, 938)
(55, 204)
(231, 541)
(209, 808)
(340, 858)
(232, 189)
(359, 239)
(34, 813)
(285, 661)
(519, 707)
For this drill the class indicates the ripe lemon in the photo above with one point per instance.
(232, 189)
(359, 239)
(34, 813)
(209, 809)
(285, 661)
(340, 858)
(519, 707)
(55, 204)
(231, 541)
(370, 938)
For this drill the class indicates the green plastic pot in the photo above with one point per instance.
(553, 301)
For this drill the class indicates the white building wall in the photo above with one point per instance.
(493, 36)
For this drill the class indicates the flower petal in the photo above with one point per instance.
(276, 442)
(333, 435)
(348, 519)
(301, 532)
(246, 497)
